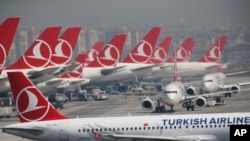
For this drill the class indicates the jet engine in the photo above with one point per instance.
(234, 89)
(148, 104)
(200, 101)
(191, 90)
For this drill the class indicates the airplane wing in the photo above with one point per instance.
(207, 95)
(236, 73)
(145, 68)
(34, 74)
(108, 71)
(33, 131)
(160, 138)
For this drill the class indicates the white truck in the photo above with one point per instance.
(6, 107)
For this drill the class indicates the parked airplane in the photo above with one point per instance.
(135, 61)
(94, 52)
(46, 58)
(41, 121)
(106, 62)
(7, 32)
(194, 69)
(174, 93)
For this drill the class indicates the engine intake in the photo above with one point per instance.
(148, 104)
(200, 101)
(191, 91)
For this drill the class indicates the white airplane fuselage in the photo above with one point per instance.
(212, 127)
(173, 93)
(213, 82)
(127, 73)
(185, 70)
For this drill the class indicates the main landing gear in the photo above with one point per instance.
(188, 105)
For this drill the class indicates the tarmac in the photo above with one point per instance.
(121, 106)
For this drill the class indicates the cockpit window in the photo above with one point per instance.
(208, 80)
(167, 92)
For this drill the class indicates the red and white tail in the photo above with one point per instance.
(183, 53)
(63, 51)
(30, 103)
(214, 52)
(144, 49)
(94, 52)
(80, 59)
(111, 54)
(160, 53)
(40, 52)
(7, 32)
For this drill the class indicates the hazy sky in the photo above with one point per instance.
(108, 13)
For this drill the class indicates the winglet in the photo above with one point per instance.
(30, 103)
(111, 54)
(213, 54)
(183, 53)
(144, 49)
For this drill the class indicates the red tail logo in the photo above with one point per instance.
(7, 31)
(160, 53)
(143, 52)
(40, 55)
(183, 52)
(94, 52)
(159, 56)
(110, 56)
(182, 55)
(62, 53)
(3, 56)
(27, 103)
(213, 54)
(31, 104)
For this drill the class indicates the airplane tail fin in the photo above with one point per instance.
(183, 53)
(111, 54)
(30, 102)
(80, 59)
(144, 49)
(39, 53)
(63, 51)
(214, 52)
(7, 32)
(94, 52)
(160, 53)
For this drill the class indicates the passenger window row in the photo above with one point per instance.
(152, 128)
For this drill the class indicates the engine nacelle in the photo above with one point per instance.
(235, 89)
(148, 104)
(191, 90)
(200, 101)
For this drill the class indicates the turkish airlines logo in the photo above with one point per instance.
(111, 56)
(213, 55)
(40, 55)
(91, 56)
(182, 55)
(27, 104)
(3, 56)
(143, 54)
(159, 56)
(62, 53)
